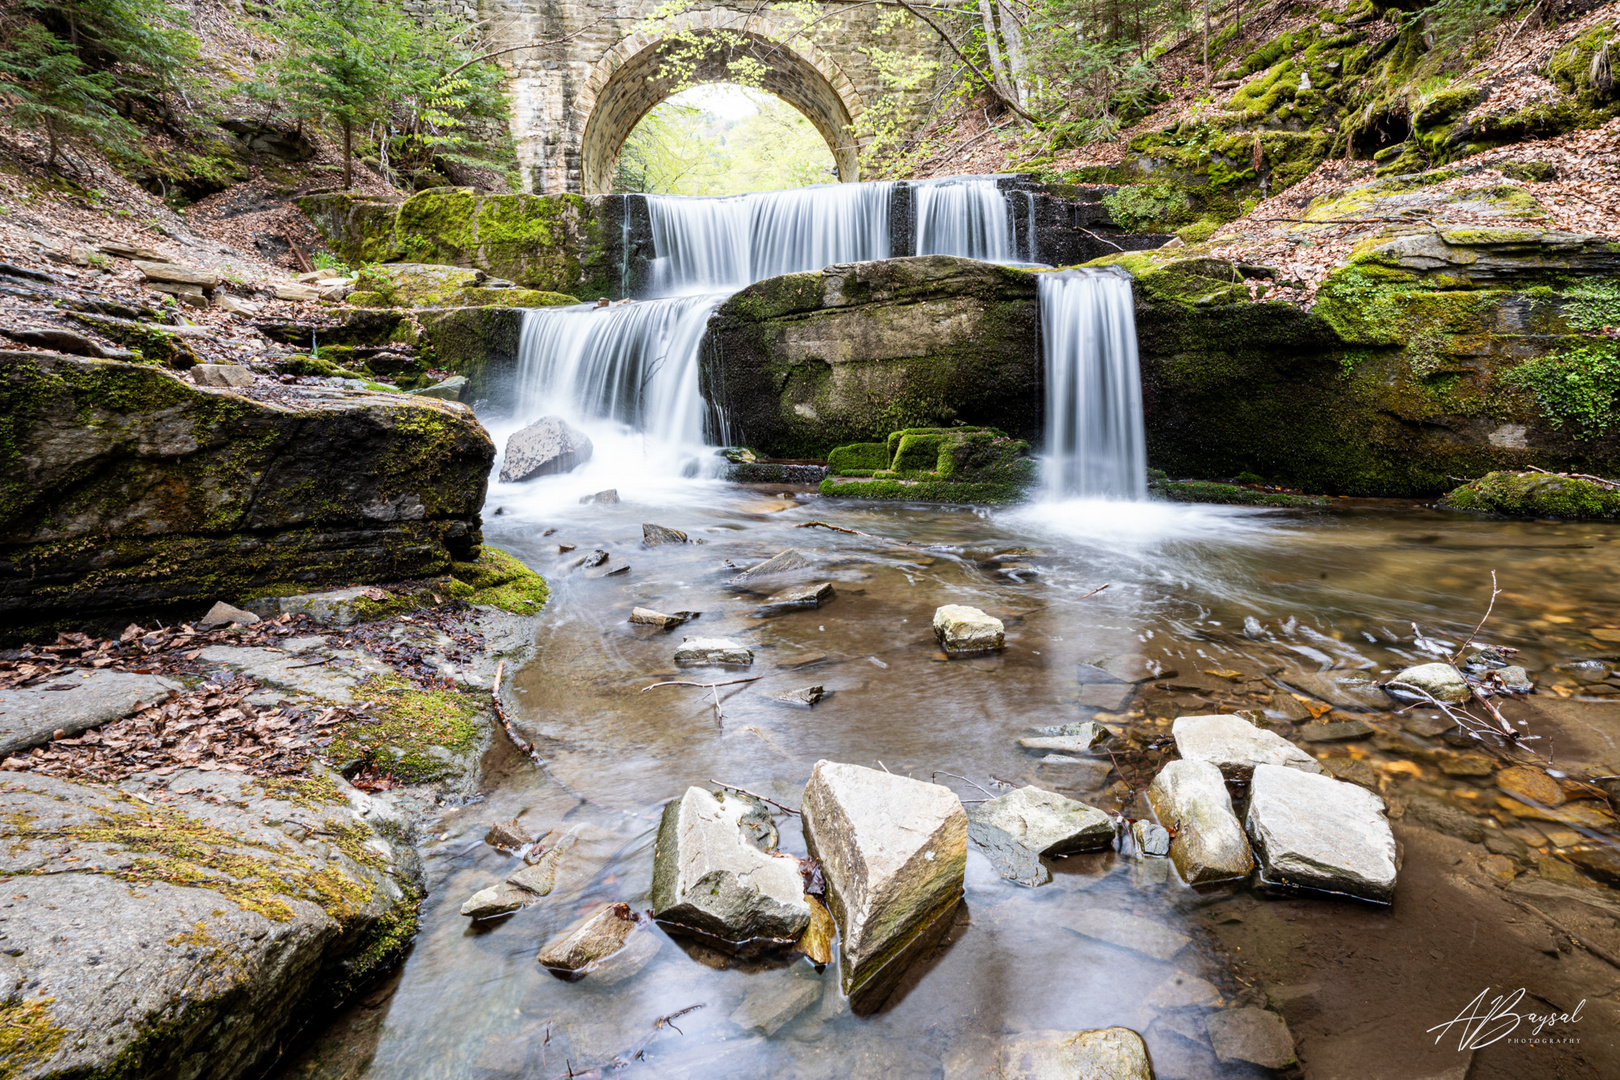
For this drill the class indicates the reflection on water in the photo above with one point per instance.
(1285, 614)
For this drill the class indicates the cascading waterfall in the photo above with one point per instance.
(964, 215)
(710, 244)
(1094, 433)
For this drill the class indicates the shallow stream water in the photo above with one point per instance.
(1289, 614)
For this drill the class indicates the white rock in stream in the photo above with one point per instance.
(1114, 1053)
(1316, 832)
(1190, 797)
(712, 883)
(547, 446)
(962, 629)
(1017, 828)
(1235, 746)
(704, 650)
(1439, 681)
(893, 851)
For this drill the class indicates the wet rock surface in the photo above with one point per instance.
(593, 941)
(546, 447)
(1253, 1035)
(1017, 828)
(1439, 681)
(1235, 746)
(966, 630)
(1107, 1054)
(1316, 832)
(722, 652)
(712, 881)
(1190, 797)
(893, 851)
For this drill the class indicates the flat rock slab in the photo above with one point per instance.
(269, 665)
(1127, 931)
(334, 607)
(31, 716)
(783, 562)
(1182, 991)
(120, 955)
(965, 630)
(576, 951)
(893, 851)
(1105, 1054)
(711, 882)
(804, 695)
(805, 596)
(1190, 797)
(648, 617)
(1258, 1036)
(1315, 832)
(1235, 746)
(723, 651)
(1058, 744)
(1017, 828)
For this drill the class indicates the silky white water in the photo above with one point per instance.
(1095, 444)
(963, 215)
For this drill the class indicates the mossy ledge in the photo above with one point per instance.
(962, 465)
(1535, 495)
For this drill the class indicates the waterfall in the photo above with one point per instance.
(727, 243)
(964, 215)
(1094, 433)
(631, 362)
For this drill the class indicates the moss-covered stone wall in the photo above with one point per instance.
(122, 486)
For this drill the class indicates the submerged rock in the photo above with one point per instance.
(805, 596)
(782, 562)
(1017, 828)
(1235, 746)
(1114, 1053)
(1132, 932)
(546, 447)
(603, 498)
(654, 535)
(1190, 797)
(893, 851)
(1258, 1036)
(699, 650)
(773, 1000)
(711, 881)
(804, 695)
(1150, 839)
(1315, 832)
(648, 617)
(962, 630)
(595, 940)
(1439, 681)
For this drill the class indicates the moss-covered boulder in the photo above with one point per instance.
(806, 362)
(185, 925)
(567, 244)
(124, 487)
(1431, 354)
(961, 464)
(1536, 495)
(438, 285)
(480, 343)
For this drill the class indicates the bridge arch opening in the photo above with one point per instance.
(636, 75)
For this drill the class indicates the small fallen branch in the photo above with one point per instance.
(500, 714)
(853, 532)
(755, 795)
(1095, 591)
(1606, 485)
(1495, 592)
(1586, 943)
(719, 714)
(965, 780)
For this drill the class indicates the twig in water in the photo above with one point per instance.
(1585, 943)
(852, 532)
(719, 714)
(1495, 592)
(1095, 591)
(885, 768)
(754, 795)
(965, 780)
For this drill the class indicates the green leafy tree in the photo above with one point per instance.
(53, 90)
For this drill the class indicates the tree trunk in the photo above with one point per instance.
(1012, 32)
(50, 140)
(1207, 75)
(348, 154)
(992, 45)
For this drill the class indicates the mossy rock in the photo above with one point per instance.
(962, 465)
(1205, 491)
(500, 580)
(858, 459)
(1534, 495)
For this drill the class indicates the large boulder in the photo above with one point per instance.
(1017, 828)
(806, 362)
(183, 925)
(893, 851)
(1315, 832)
(1190, 798)
(548, 446)
(956, 464)
(124, 486)
(712, 882)
(1235, 746)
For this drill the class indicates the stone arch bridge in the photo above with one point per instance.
(575, 101)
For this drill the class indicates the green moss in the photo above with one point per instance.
(1204, 491)
(1261, 97)
(27, 1036)
(500, 580)
(967, 465)
(1536, 495)
(314, 365)
(985, 493)
(858, 458)
(309, 792)
(154, 344)
(418, 733)
(386, 942)
(1578, 387)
